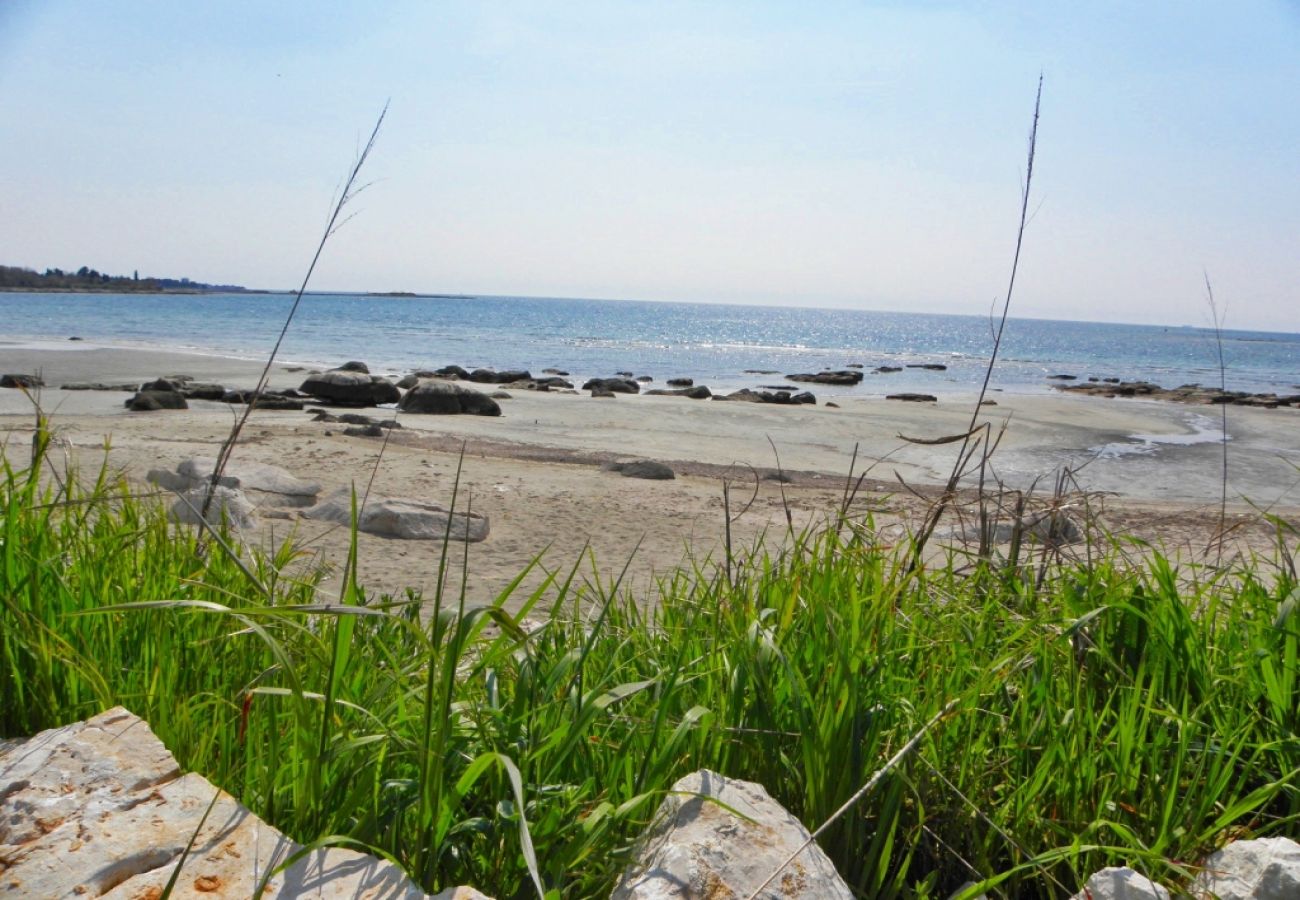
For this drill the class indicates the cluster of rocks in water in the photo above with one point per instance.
(1187, 393)
(101, 808)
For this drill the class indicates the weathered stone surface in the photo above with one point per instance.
(508, 376)
(97, 386)
(929, 367)
(698, 392)
(203, 390)
(405, 519)
(1052, 527)
(1186, 393)
(100, 809)
(452, 372)
(1263, 869)
(783, 396)
(227, 503)
(603, 393)
(843, 377)
(164, 384)
(617, 385)
(355, 365)
(1116, 883)
(149, 401)
(267, 484)
(21, 381)
(912, 397)
(349, 387)
(447, 398)
(681, 382)
(697, 848)
(641, 468)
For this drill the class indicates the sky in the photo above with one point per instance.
(836, 154)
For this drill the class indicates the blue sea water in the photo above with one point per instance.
(714, 344)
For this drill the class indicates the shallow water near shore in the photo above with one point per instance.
(725, 346)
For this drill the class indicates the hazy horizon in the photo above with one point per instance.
(847, 156)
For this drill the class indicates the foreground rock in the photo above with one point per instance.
(1121, 884)
(100, 808)
(642, 468)
(266, 484)
(697, 848)
(447, 398)
(349, 387)
(411, 520)
(1264, 869)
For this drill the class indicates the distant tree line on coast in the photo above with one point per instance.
(87, 279)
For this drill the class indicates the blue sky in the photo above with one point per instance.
(863, 155)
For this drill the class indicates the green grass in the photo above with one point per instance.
(1108, 713)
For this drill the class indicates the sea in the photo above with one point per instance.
(723, 346)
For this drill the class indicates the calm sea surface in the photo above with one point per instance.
(714, 344)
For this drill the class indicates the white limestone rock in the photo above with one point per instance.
(1120, 883)
(99, 808)
(406, 519)
(697, 848)
(1262, 869)
(228, 503)
(267, 484)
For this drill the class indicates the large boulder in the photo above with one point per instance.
(203, 390)
(842, 377)
(697, 847)
(698, 392)
(785, 396)
(447, 398)
(346, 387)
(268, 484)
(1263, 869)
(508, 376)
(616, 385)
(1121, 883)
(228, 504)
(149, 401)
(642, 468)
(406, 519)
(100, 809)
(21, 381)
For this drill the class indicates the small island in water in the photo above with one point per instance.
(18, 278)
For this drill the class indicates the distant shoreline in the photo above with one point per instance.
(401, 295)
(117, 289)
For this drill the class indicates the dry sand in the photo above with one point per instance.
(535, 471)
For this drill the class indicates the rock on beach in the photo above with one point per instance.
(447, 398)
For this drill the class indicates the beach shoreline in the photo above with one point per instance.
(536, 470)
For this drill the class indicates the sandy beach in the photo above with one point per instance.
(1148, 467)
